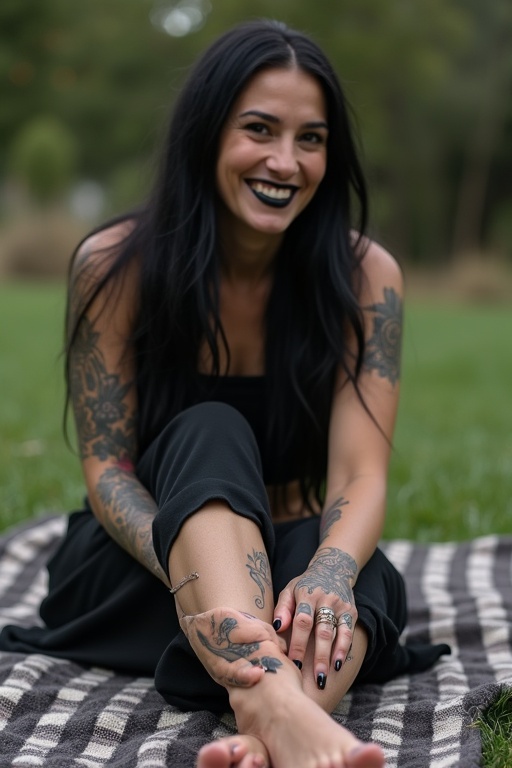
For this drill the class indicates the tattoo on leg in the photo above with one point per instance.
(331, 516)
(330, 571)
(382, 352)
(259, 570)
(305, 608)
(234, 651)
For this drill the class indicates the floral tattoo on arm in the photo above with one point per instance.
(383, 348)
(101, 413)
(106, 430)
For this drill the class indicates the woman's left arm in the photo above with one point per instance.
(360, 434)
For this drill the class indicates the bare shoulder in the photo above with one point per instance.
(98, 251)
(379, 271)
(91, 264)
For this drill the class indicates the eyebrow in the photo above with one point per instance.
(273, 119)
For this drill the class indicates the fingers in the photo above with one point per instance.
(303, 623)
(284, 610)
(343, 640)
(325, 636)
(331, 632)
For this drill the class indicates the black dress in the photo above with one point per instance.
(104, 609)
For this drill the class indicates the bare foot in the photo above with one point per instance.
(234, 751)
(295, 730)
(277, 722)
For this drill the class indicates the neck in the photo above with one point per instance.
(247, 256)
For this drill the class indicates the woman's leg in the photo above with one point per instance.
(214, 521)
(280, 709)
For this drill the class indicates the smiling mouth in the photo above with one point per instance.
(274, 195)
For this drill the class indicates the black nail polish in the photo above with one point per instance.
(321, 680)
(337, 666)
(277, 624)
(297, 663)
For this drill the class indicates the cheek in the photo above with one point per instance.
(319, 168)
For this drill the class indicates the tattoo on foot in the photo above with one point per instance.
(234, 651)
(382, 352)
(331, 516)
(259, 570)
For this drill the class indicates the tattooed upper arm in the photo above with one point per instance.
(383, 348)
(100, 376)
(104, 424)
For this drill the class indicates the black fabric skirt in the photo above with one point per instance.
(104, 609)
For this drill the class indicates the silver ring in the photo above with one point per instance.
(326, 616)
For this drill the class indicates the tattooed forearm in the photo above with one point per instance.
(382, 352)
(259, 570)
(331, 571)
(128, 516)
(331, 516)
(231, 651)
(104, 426)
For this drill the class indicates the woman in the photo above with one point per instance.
(233, 365)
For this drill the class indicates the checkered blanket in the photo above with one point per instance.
(55, 713)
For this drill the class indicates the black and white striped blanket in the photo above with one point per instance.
(54, 713)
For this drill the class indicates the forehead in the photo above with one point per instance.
(277, 91)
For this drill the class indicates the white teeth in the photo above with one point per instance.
(275, 194)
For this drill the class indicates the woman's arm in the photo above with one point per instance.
(360, 437)
(104, 400)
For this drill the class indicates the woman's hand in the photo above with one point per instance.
(326, 584)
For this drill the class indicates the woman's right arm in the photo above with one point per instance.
(104, 399)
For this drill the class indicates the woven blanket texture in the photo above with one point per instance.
(57, 714)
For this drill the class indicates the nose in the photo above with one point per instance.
(282, 159)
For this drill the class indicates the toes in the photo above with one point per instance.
(221, 754)
(366, 756)
(233, 752)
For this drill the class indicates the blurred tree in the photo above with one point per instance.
(44, 158)
(429, 81)
(487, 68)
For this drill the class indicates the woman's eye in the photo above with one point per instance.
(312, 138)
(259, 128)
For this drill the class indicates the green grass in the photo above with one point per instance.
(38, 472)
(451, 470)
(495, 726)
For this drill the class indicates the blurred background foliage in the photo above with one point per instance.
(89, 87)
(85, 93)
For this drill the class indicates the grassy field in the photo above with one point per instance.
(451, 472)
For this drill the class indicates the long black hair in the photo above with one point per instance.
(313, 300)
